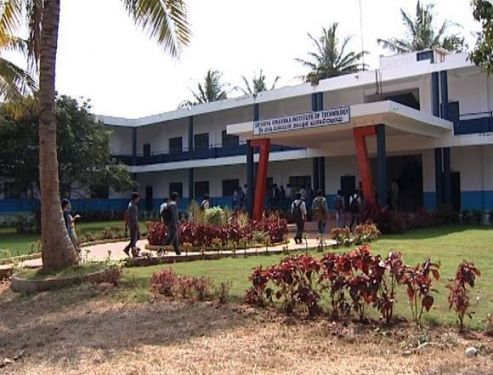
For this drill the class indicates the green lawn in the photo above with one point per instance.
(13, 244)
(447, 245)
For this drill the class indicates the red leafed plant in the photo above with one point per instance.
(164, 282)
(418, 282)
(387, 293)
(459, 294)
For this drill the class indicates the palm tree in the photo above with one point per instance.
(330, 58)
(15, 82)
(258, 84)
(211, 90)
(164, 20)
(421, 34)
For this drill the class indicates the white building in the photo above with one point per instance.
(437, 115)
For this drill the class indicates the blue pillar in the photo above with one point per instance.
(381, 165)
(444, 95)
(438, 178)
(190, 184)
(190, 137)
(315, 164)
(447, 178)
(134, 146)
(321, 174)
(435, 95)
(250, 179)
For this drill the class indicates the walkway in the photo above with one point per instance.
(114, 251)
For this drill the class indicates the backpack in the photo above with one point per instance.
(165, 213)
(318, 206)
(354, 206)
(339, 204)
(202, 205)
(297, 215)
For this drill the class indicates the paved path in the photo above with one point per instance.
(114, 251)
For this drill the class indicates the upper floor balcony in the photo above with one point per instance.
(197, 153)
(474, 123)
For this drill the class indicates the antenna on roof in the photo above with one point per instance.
(361, 33)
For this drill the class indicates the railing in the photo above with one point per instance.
(212, 152)
(474, 123)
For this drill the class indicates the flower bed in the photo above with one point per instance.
(268, 230)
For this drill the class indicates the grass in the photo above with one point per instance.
(14, 244)
(81, 270)
(448, 245)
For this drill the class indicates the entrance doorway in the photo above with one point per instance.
(456, 201)
(348, 186)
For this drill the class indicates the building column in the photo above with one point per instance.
(438, 178)
(444, 95)
(447, 178)
(191, 184)
(134, 146)
(315, 174)
(190, 137)
(250, 167)
(381, 165)
(261, 179)
(364, 168)
(321, 174)
(435, 95)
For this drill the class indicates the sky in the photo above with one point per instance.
(103, 56)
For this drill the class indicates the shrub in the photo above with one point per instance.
(342, 236)
(164, 282)
(214, 216)
(459, 294)
(202, 287)
(223, 291)
(27, 224)
(387, 292)
(365, 233)
(156, 233)
(112, 275)
(418, 282)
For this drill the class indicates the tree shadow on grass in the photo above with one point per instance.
(65, 335)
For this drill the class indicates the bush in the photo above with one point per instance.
(342, 236)
(164, 282)
(459, 294)
(27, 224)
(169, 284)
(365, 233)
(112, 275)
(214, 216)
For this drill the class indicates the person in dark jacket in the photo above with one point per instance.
(173, 226)
(133, 224)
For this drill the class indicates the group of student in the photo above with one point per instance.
(320, 212)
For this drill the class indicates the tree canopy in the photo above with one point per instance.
(257, 84)
(212, 89)
(421, 33)
(83, 147)
(330, 57)
(482, 55)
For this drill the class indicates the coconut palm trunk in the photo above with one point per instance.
(57, 248)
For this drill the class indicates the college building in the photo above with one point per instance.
(423, 120)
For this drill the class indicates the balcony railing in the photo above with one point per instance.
(474, 123)
(198, 153)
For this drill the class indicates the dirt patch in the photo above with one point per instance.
(87, 332)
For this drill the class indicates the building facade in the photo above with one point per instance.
(436, 116)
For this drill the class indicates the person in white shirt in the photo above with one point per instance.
(298, 212)
(205, 205)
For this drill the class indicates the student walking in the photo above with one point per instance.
(355, 208)
(205, 205)
(70, 223)
(339, 206)
(133, 225)
(320, 210)
(170, 218)
(298, 211)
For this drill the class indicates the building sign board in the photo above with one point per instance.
(334, 116)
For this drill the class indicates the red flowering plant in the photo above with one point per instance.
(395, 268)
(333, 280)
(459, 294)
(156, 233)
(365, 233)
(259, 278)
(418, 281)
(342, 236)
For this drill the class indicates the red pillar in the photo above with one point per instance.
(263, 164)
(364, 168)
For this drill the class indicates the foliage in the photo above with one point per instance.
(211, 90)
(365, 233)
(342, 236)
(223, 291)
(112, 275)
(482, 55)
(353, 281)
(168, 283)
(27, 224)
(195, 214)
(205, 235)
(422, 35)
(330, 58)
(83, 147)
(258, 84)
(214, 216)
(459, 294)
(418, 282)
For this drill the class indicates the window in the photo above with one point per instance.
(176, 187)
(175, 145)
(229, 140)
(147, 150)
(229, 187)
(201, 141)
(10, 191)
(298, 182)
(100, 192)
(201, 188)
